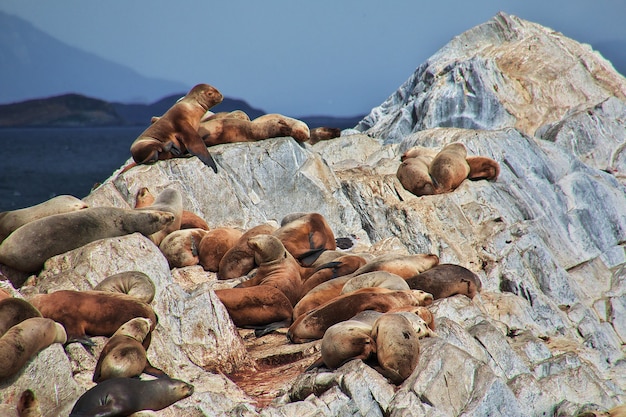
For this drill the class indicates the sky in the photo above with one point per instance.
(318, 57)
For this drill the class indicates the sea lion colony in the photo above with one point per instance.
(294, 276)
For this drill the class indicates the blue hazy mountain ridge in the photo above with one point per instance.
(35, 65)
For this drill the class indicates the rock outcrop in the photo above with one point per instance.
(544, 337)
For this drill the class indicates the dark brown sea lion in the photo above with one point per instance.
(27, 248)
(11, 220)
(24, 340)
(446, 280)
(323, 133)
(176, 132)
(306, 237)
(125, 396)
(239, 260)
(256, 306)
(124, 354)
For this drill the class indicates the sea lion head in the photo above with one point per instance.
(206, 95)
(267, 248)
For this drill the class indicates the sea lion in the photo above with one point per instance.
(239, 260)
(235, 114)
(414, 176)
(312, 325)
(339, 267)
(214, 245)
(169, 200)
(93, 313)
(449, 168)
(24, 340)
(134, 283)
(403, 265)
(232, 130)
(446, 280)
(176, 132)
(397, 346)
(482, 168)
(11, 220)
(276, 267)
(182, 247)
(419, 151)
(28, 405)
(323, 133)
(124, 396)
(188, 220)
(381, 279)
(299, 130)
(13, 311)
(346, 340)
(27, 248)
(306, 237)
(256, 306)
(124, 355)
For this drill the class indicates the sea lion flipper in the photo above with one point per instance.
(154, 371)
(195, 145)
(262, 331)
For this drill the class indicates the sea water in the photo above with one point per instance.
(37, 164)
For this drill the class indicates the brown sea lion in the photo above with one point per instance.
(182, 247)
(27, 248)
(176, 132)
(125, 396)
(482, 168)
(24, 340)
(124, 355)
(28, 405)
(232, 130)
(13, 311)
(414, 176)
(276, 267)
(403, 265)
(299, 130)
(256, 306)
(92, 313)
(169, 200)
(339, 267)
(306, 237)
(381, 279)
(188, 220)
(214, 245)
(134, 283)
(235, 114)
(446, 280)
(419, 151)
(239, 260)
(323, 133)
(449, 168)
(312, 325)
(11, 220)
(397, 346)
(347, 340)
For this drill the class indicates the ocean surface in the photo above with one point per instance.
(37, 164)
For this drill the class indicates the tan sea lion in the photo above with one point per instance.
(403, 265)
(299, 130)
(13, 311)
(346, 340)
(125, 396)
(235, 114)
(414, 176)
(381, 279)
(306, 237)
(339, 267)
(214, 245)
(482, 168)
(124, 354)
(449, 168)
(232, 130)
(446, 280)
(24, 340)
(182, 247)
(169, 200)
(323, 133)
(239, 260)
(397, 346)
(176, 132)
(419, 151)
(312, 325)
(27, 248)
(276, 267)
(134, 283)
(28, 405)
(91, 313)
(420, 326)
(188, 220)
(11, 220)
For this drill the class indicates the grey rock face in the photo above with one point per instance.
(546, 334)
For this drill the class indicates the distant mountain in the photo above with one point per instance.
(35, 64)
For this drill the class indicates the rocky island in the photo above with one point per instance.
(546, 334)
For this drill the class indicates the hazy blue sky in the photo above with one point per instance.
(339, 57)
